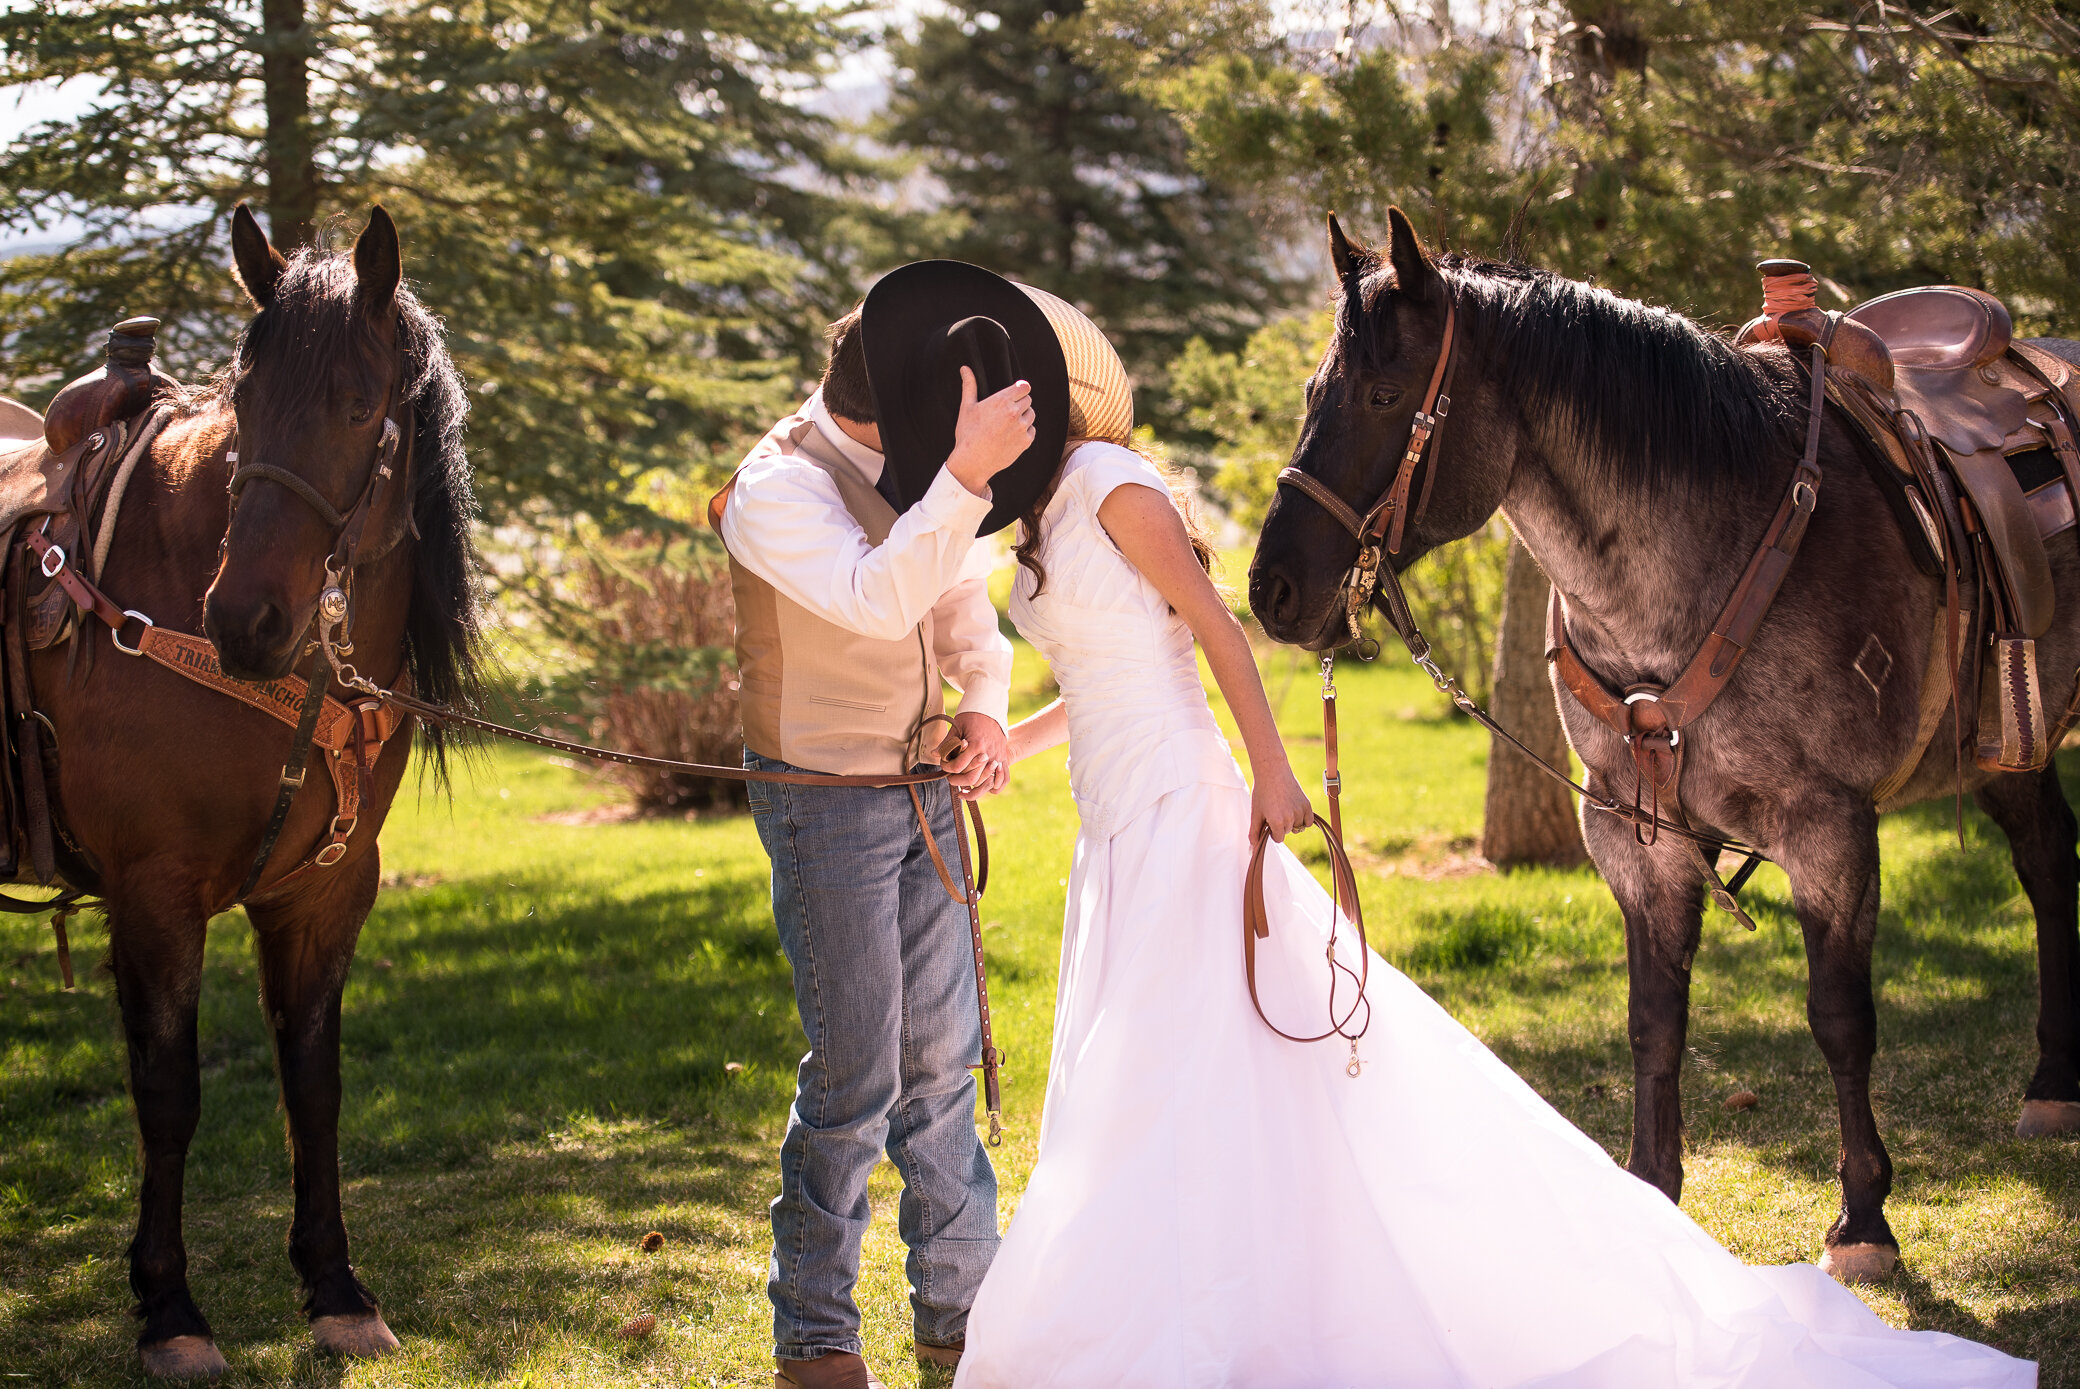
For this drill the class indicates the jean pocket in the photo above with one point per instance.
(756, 794)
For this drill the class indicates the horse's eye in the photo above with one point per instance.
(362, 411)
(1385, 396)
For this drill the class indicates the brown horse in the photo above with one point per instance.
(1640, 458)
(164, 785)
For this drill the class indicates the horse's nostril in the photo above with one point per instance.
(1281, 598)
(270, 627)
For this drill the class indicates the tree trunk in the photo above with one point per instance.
(1530, 817)
(292, 168)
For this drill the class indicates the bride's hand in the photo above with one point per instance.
(1278, 803)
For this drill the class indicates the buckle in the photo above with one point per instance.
(1674, 734)
(332, 853)
(115, 634)
(52, 561)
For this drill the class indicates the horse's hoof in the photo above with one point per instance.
(1859, 1263)
(363, 1335)
(2048, 1118)
(182, 1357)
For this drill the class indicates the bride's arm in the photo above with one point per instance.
(1040, 731)
(1145, 525)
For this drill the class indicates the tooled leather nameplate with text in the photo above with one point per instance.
(195, 658)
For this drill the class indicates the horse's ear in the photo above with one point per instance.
(378, 264)
(1345, 255)
(254, 259)
(1413, 271)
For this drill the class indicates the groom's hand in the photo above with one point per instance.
(982, 766)
(990, 434)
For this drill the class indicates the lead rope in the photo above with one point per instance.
(992, 1097)
(1343, 905)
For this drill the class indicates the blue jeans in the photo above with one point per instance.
(884, 978)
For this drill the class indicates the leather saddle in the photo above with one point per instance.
(1979, 431)
(56, 469)
(1953, 359)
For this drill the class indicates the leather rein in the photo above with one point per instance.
(357, 735)
(1650, 719)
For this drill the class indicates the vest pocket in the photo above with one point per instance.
(855, 704)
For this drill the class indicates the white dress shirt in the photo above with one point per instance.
(786, 522)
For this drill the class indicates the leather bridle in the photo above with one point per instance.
(1380, 533)
(335, 607)
(349, 526)
(1649, 719)
(1382, 529)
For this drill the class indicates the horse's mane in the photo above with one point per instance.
(1642, 394)
(313, 308)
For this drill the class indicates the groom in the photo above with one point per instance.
(858, 587)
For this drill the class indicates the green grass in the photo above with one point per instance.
(562, 1035)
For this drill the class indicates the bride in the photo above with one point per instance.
(1214, 1205)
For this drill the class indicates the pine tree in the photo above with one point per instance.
(607, 202)
(1659, 147)
(1060, 177)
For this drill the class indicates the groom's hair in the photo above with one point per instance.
(846, 390)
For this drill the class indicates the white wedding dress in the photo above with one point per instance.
(1214, 1205)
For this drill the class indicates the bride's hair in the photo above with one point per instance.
(1027, 550)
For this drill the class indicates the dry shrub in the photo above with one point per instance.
(652, 625)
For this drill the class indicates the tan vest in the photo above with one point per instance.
(816, 694)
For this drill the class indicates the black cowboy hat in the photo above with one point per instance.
(922, 324)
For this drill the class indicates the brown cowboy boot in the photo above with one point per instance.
(840, 1369)
(936, 1364)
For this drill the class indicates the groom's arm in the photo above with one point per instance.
(970, 647)
(786, 523)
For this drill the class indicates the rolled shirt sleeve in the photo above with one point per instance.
(972, 651)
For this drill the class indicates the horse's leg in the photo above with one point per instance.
(2031, 810)
(306, 945)
(1660, 892)
(1828, 847)
(155, 946)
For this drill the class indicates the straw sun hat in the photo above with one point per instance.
(1101, 403)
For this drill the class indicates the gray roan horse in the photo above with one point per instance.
(1640, 459)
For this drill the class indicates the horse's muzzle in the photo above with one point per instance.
(1281, 606)
(254, 641)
